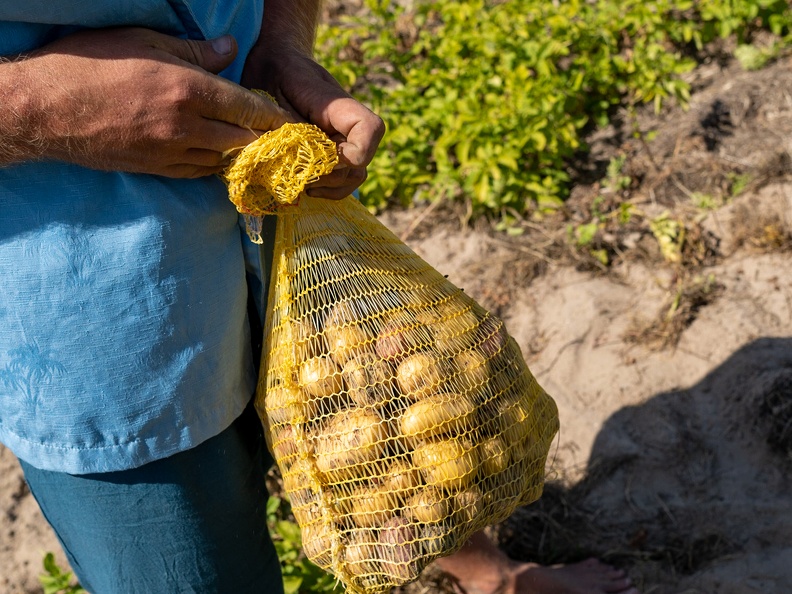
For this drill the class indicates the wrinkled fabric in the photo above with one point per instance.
(192, 523)
(123, 330)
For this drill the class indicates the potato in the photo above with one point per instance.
(400, 336)
(317, 542)
(399, 551)
(322, 386)
(371, 506)
(468, 505)
(281, 362)
(447, 463)
(307, 514)
(494, 456)
(439, 414)
(420, 375)
(507, 488)
(345, 333)
(284, 446)
(307, 340)
(297, 483)
(283, 405)
(346, 342)
(455, 331)
(347, 442)
(360, 555)
(492, 336)
(516, 420)
(402, 479)
(437, 540)
(472, 370)
(429, 506)
(369, 380)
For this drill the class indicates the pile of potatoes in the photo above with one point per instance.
(399, 434)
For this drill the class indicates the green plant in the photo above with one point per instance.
(55, 580)
(615, 180)
(486, 101)
(670, 236)
(739, 182)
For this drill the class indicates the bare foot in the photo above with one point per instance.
(482, 568)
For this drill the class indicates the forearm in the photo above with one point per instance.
(21, 136)
(289, 24)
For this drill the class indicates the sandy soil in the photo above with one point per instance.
(674, 456)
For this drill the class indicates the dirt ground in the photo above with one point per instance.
(673, 379)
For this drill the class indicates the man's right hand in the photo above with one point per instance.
(136, 100)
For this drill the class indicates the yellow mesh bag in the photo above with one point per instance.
(401, 415)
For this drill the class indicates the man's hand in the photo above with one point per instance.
(136, 100)
(310, 94)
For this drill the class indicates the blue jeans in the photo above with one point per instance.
(194, 522)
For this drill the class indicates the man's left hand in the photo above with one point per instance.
(311, 94)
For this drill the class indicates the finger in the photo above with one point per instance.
(346, 176)
(228, 102)
(363, 130)
(222, 137)
(332, 193)
(187, 171)
(213, 56)
(205, 158)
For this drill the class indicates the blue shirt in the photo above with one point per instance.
(123, 328)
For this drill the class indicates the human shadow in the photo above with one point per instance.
(690, 490)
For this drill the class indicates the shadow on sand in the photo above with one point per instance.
(690, 491)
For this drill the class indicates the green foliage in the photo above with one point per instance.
(486, 101)
(56, 581)
(300, 576)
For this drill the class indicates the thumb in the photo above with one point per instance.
(213, 56)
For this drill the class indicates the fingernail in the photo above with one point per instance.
(222, 45)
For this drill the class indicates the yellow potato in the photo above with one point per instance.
(402, 479)
(472, 371)
(429, 505)
(307, 341)
(439, 414)
(345, 332)
(469, 505)
(447, 463)
(455, 331)
(297, 483)
(284, 447)
(322, 386)
(317, 542)
(517, 421)
(360, 556)
(420, 375)
(437, 540)
(283, 405)
(369, 380)
(346, 342)
(347, 444)
(371, 506)
(307, 514)
(494, 455)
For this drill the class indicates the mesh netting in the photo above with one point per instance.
(401, 414)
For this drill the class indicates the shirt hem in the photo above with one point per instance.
(77, 460)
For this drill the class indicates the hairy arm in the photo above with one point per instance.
(290, 24)
(20, 130)
(128, 99)
(282, 63)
